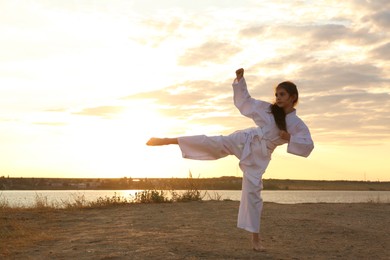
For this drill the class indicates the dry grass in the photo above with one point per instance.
(78, 201)
(18, 232)
(15, 233)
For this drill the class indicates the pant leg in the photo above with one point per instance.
(251, 204)
(202, 147)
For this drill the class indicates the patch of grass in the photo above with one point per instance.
(114, 200)
(78, 201)
(147, 196)
(42, 202)
(4, 204)
(151, 196)
(189, 195)
(215, 196)
(16, 233)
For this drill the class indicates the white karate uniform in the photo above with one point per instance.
(253, 147)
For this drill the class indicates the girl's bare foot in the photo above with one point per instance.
(155, 141)
(161, 141)
(256, 244)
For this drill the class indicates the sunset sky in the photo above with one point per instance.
(84, 84)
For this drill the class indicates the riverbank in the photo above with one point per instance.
(221, 183)
(196, 230)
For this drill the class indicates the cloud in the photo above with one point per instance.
(164, 26)
(195, 102)
(208, 52)
(319, 77)
(382, 19)
(326, 32)
(101, 111)
(370, 5)
(6, 119)
(382, 52)
(56, 110)
(183, 94)
(171, 27)
(357, 113)
(158, 31)
(253, 31)
(333, 75)
(313, 33)
(50, 123)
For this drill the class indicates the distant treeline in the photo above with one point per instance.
(222, 183)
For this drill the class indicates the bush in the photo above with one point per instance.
(150, 196)
(189, 195)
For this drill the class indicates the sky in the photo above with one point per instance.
(84, 84)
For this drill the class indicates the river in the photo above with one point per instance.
(28, 198)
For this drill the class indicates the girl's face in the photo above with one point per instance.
(283, 98)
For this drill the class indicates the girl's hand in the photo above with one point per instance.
(284, 135)
(239, 74)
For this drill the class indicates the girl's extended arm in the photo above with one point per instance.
(247, 105)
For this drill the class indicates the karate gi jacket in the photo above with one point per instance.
(300, 143)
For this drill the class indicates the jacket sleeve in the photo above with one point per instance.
(247, 105)
(301, 143)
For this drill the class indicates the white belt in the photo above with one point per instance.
(253, 132)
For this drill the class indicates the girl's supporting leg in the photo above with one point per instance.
(251, 203)
(251, 206)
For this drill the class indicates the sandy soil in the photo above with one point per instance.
(197, 230)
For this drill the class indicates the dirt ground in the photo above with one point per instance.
(196, 230)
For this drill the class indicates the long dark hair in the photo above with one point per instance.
(279, 114)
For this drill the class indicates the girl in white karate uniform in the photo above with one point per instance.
(277, 124)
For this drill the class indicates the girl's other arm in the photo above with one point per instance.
(300, 142)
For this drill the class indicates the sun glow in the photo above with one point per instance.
(116, 145)
(141, 120)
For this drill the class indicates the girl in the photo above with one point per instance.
(277, 124)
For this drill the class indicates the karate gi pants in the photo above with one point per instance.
(253, 164)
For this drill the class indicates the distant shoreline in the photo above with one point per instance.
(222, 183)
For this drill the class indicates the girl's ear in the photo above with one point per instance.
(295, 100)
